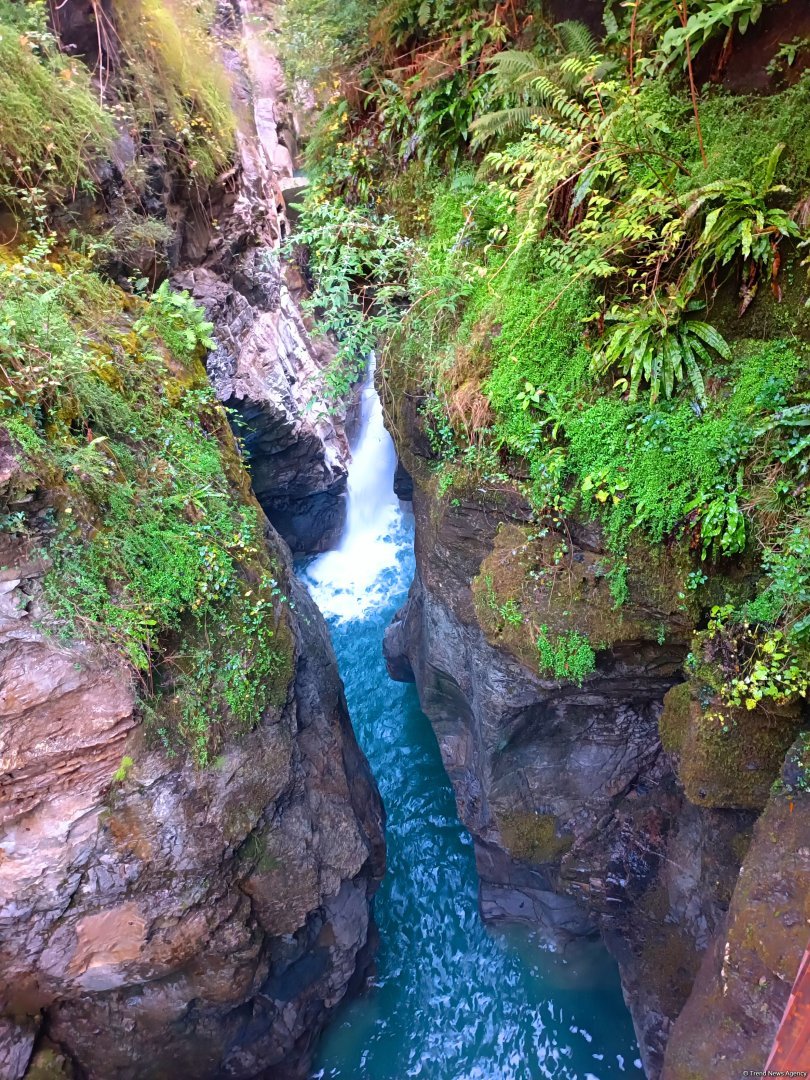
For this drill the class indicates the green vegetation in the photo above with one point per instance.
(55, 126)
(176, 83)
(532, 837)
(122, 772)
(568, 656)
(52, 126)
(607, 302)
(360, 265)
(140, 503)
(127, 482)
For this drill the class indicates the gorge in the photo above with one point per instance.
(451, 499)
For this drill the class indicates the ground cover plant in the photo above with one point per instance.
(140, 500)
(607, 302)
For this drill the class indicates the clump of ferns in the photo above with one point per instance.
(570, 178)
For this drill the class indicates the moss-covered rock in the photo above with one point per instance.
(674, 722)
(535, 583)
(740, 994)
(532, 837)
(725, 757)
(120, 467)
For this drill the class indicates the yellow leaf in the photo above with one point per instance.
(602, 496)
(750, 703)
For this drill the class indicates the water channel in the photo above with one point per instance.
(452, 999)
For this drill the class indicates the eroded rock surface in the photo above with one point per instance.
(176, 920)
(578, 813)
(158, 918)
(570, 800)
(268, 367)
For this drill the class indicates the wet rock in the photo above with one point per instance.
(267, 370)
(403, 483)
(180, 920)
(732, 1016)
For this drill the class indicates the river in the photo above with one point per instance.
(452, 999)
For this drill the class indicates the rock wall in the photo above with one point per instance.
(746, 975)
(167, 919)
(268, 368)
(158, 919)
(225, 248)
(577, 810)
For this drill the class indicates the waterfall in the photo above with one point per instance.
(359, 575)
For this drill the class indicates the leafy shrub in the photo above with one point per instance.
(318, 36)
(178, 320)
(359, 263)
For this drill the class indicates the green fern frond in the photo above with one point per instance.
(502, 122)
(576, 38)
(513, 69)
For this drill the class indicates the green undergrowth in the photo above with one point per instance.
(160, 78)
(722, 477)
(51, 123)
(176, 82)
(132, 488)
(608, 301)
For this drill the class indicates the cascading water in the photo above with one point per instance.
(359, 575)
(453, 999)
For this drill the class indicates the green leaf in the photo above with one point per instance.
(712, 338)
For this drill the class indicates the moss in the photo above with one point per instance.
(48, 1064)
(669, 962)
(728, 758)
(155, 542)
(552, 586)
(532, 837)
(673, 724)
(740, 844)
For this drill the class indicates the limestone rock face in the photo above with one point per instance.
(174, 921)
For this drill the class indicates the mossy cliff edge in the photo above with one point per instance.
(581, 246)
(190, 835)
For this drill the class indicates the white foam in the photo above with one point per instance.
(360, 575)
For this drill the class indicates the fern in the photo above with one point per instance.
(739, 223)
(576, 38)
(535, 86)
(658, 348)
(793, 422)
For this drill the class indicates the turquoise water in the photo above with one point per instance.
(452, 999)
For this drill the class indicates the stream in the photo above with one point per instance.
(452, 999)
